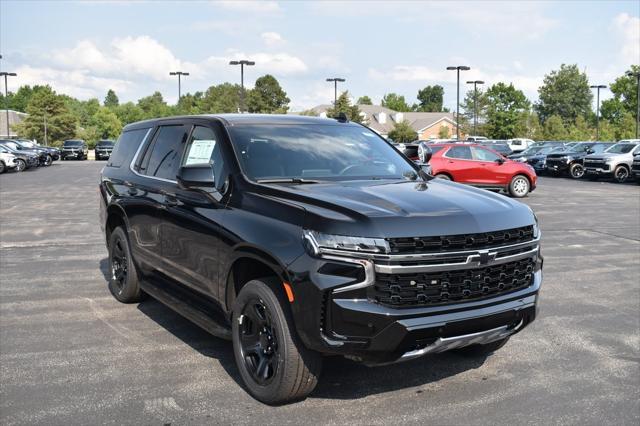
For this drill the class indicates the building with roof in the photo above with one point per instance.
(15, 117)
(382, 120)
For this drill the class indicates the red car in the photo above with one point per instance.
(480, 166)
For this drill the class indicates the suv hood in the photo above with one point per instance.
(402, 208)
(604, 156)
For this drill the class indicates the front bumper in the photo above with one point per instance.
(558, 165)
(597, 171)
(342, 323)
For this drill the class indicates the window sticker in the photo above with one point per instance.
(200, 152)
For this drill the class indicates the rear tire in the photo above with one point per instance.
(576, 171)
(482, 350)
(274, 365)
(123, 281)
(519, 186)
(3, 168)
(443, 176)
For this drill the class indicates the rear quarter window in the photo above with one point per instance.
(126, 147)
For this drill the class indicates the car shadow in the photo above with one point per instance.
(340, 379)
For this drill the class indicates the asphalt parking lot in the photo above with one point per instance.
(71, 354)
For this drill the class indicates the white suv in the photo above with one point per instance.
(7, 161)
(519, 144)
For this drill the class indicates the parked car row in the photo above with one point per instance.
(592, 160)
(77, 149)
(22, 154)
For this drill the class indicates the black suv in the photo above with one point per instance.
(103, 149)
(76, 149)
(297, 237)
(571, 161)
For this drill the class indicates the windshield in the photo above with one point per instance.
(621, 148)
(11, 145)
(532, 150)
(324, 152)
(105, 143)
(28, 144)
(72, 143)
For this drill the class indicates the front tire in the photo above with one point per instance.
(621, 174)
(20, 165)
(123, 281)
(576, 171)
(443, 176)
(274, 365)
(3, 168)
(48, 160)
(519, 186)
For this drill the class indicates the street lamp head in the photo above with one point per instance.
(464, 68)
(234, 63)
(9, 74)
(185, 73)
(452, 68)
(341, 80)
(598, 86)
(475, 82)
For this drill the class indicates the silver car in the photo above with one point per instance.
(615, 162)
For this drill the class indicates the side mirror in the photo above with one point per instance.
(424, 152)
(196, 176)
(500, 161)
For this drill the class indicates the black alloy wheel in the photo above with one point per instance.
(621, 174)
(576, 170)
(258, 342)
(119, 264)
(48, 160)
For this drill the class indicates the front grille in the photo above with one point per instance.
(438, 288)
(448, 243)
(596, 164)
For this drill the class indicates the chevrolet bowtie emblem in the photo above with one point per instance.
(486, 257)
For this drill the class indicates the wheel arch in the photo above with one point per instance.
(115, 217)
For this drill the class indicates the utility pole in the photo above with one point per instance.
(6, 96)
(335, 81)
(475, 104)
(458, 68)
(598, 87)
(242, 64)
(179, 74)
(636, 74)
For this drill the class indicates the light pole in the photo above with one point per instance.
(458, 68)
(242, 64)
(475, 104)
(179, 74)
(636, 74)
(335, 81)
(598, 87)
(6, 95)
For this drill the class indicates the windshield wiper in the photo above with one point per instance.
(299, 181)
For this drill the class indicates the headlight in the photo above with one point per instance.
(320, 241)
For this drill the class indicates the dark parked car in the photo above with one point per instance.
(44, 158)
(635, 167)
(539, 160)
(53, 151)
(103, 149)
(23, 159)
(571, 161)
(297, 237)
(74, 149)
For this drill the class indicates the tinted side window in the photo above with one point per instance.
(204, 148)
(461, 152)
(483, 154)
(126, 146)
(162, 158)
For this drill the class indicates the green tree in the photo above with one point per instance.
(364, 100)
(625, 128)
(402, 132)
(61, 123)
(395, 102)
(154, 106)
(309, 113)
(565, 93)
(129, 113)
(505, 104)
(529, 126)
(554, 130)
(222, 98)
(444, 133)
(111, 100)
(580, 130)
(19, 100)
(107, 123)
(624, 98)
(466, 117)
(343, 105)
(430, 99)
(267, 97)
(189, 104)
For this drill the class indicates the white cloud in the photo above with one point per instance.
(275, 63)
(78, 83)
(249, 6)
(628, 29)
(271, 39)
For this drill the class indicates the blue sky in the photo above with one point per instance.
(85, 48)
